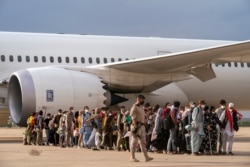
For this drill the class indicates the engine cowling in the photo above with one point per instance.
(50, 89)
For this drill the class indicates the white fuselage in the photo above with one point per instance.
(24, 50)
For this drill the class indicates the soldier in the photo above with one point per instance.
(120, 127)
(138, 129)
(69, 127)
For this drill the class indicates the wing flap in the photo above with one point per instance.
(204, 73)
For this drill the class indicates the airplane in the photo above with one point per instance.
(43, 71)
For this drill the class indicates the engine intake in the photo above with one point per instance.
(50, 89)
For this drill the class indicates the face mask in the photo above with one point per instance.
(203, 106)
(192, 105)
(86, 110)
(141, 102)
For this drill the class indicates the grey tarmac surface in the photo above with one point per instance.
(14, 154)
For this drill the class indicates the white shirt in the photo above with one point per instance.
(227, 129)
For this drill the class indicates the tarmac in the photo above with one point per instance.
(14, 154)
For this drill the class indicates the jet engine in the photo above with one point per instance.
(53, 88)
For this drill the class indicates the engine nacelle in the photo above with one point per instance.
(50, 89)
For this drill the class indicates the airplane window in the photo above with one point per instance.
(119, 59)
(19, 58)
(90, 60)
(105, 60)
(98, 60)
(43, 59)
(27, 59)
(126, 59)
(112, 60)
(67, 59)
(75, 59)
(2, 58)
(235, 64)
(242, 64)
(59, 59)
(82, 60)
(11, 58)
(51, 59)
(229, 64)
(35, 59)
(223, 65)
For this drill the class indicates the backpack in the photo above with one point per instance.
(57, 119)
(167, 121)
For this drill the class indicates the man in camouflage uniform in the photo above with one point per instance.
(138, 129)
(69, 127)
(121, 128)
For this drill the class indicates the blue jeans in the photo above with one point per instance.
(171, 140)
(86, 134)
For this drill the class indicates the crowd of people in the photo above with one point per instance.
(172, 129)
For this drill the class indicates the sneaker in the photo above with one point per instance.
(133, 160)
(230, 153)
(148, 159)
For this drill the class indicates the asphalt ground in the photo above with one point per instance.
(14, 154)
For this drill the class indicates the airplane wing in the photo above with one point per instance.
(195, 62)
(151, 73)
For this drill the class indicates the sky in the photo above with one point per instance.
(196, 19)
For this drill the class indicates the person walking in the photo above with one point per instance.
(138, 129)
